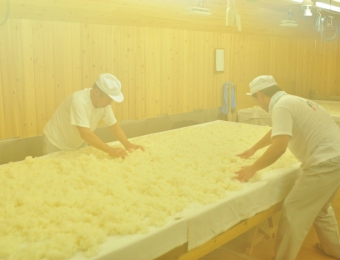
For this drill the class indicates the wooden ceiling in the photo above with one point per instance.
(260, 17)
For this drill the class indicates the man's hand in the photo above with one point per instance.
(277, 147)
(131, 147)
(117, 152)
(247, 153)
(121, 137)
(245, 174)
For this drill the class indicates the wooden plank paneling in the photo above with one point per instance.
(182, 68)
(164, 76)
(291, 75)
(100, 56)
(215, 76)
(108, 49)
(176, 83)
(152, 104)
(39, 78)
(124, 75)
(140, 62)
(185, 89)
(3, 79)
(29, 89)
(14, 94)
(117, 69)
(199, 62)
(49, 76)
(85, 46)
(94, 44)
(2, 119)
(163, 71)
(208, 67)
(167, 72)
(225, 43)
(132, 54)
(189, 74)
(76, 56)
(58, 56)
(336, 88)
(67, 61)
(330, 60)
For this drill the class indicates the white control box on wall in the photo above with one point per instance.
(219, 60)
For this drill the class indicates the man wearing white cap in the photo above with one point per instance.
(74, 121)
(313, 137)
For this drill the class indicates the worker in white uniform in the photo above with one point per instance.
(74, 121)
(313, 137)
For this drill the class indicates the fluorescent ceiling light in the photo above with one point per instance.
(328, 7)
(199, 10)
(306, 2)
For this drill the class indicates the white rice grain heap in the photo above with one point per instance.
(253, 108)
(53, 207)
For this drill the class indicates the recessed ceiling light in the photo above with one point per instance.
(199, 10)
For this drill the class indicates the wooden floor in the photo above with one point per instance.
(235, 250)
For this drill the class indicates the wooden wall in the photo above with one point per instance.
(163, 71)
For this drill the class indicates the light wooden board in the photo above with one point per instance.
(163, 71)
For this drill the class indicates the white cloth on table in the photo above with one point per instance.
(206, 222)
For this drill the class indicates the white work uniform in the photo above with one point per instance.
(315, 141)
(76, 110)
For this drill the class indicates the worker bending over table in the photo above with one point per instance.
(74, 121)
(314, 138)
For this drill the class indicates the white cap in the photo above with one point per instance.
(111, 86)
(261, 82)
